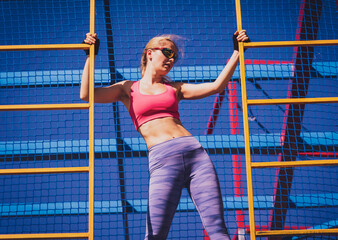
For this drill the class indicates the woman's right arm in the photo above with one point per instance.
(112, 93)
(108, 94)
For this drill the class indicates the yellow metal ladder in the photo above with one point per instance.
(90, 106)
(247, 102)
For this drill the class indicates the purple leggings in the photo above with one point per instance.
(176, 164)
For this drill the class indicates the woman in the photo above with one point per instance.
(176, 159)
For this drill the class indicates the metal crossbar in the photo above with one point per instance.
(90, 106)
(246, 102)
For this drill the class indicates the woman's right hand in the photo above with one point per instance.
(92, 39)
(240, 36)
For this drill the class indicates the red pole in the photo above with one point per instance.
(236, 159)
(211, 124)
(234, 130)
(214, 114)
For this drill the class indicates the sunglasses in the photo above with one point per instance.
(168, 53)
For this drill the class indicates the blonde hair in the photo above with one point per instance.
(153, 43)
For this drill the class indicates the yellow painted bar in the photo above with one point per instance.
(246, 126)
(43, 170)
(292, 101)
(309, 163)
(91, 125)
(43, 47)
(45, 236)
(291, 43)
(90, 106)
(44, 107)
(246, 45)
(298, 232)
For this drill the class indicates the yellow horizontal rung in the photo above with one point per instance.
(45, 236)
(291, 43)
(298, 232)
(44, 47)
(292, 101)
(44, 107)
(43, 170)
(310, 163)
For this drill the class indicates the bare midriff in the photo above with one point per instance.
(162, 129)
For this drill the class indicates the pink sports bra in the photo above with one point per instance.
(144, 108)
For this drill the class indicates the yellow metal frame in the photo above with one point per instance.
(292, 43)
(246, 102)
(292, 101)
(44, 107)
(90, 107)
(43, 170)
(312, 163)
(45, 236)
(44, 47)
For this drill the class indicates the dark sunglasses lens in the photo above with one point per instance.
(169, 53)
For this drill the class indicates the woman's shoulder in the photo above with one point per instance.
(126, 84)
(176, 85)
(124, 87)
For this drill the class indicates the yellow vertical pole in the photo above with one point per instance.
(246, 126)
(91, 126)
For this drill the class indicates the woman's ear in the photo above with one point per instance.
(149, 54)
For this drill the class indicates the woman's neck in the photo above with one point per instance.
(151, 77)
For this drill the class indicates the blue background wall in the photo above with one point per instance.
(34, 139)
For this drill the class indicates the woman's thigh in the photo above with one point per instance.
(165, 188)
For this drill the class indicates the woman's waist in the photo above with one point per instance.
(162, 130)
(164, 138)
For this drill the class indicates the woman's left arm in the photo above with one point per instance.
(202, 90)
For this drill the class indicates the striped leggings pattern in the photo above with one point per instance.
(176, 164)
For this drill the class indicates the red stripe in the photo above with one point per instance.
(236, 159)
(214, 115)
(318, 154)
(260, 61)
(265, 228)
